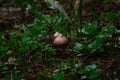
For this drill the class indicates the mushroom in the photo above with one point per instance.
(59, 39)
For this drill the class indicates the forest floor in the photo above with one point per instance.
(110, 63)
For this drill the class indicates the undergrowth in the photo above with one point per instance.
(29, 53)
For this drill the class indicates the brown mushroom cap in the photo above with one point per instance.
(59, 39)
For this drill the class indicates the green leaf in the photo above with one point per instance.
(108, 32)
(79, 46)
(41, 16)
(111, 15)
(96, 44)
(59, 76)
(90, 72)
(90, 29)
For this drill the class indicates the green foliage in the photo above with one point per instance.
(59, 23)
(90, 72)
(79, 46)
(35, 46)
(95, 37)
(78, 70)
(90, 29)
(24, 45)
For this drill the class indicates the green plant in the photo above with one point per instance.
(32, 42)
(96, 38)
(77, 71)
(32, 51)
